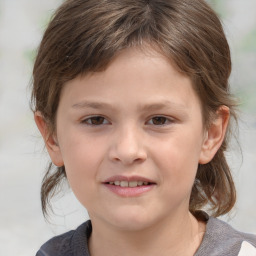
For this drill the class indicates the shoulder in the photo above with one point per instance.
(221, 239)
(72, 243)
(58, 245)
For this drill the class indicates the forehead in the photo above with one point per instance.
(135, 76)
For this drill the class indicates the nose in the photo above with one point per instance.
(127, 146)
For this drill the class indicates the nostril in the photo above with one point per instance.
(127, 149)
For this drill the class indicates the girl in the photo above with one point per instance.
(132, 100)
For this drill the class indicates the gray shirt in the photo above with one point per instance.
(220, 239)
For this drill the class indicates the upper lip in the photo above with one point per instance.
(127, 178)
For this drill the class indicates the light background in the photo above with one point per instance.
(22, 156)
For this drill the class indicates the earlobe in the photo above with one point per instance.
(50, 141)
(214, 135)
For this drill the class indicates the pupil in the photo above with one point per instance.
(159, 120)
(97, 120)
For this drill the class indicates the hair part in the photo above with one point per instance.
(85, 35)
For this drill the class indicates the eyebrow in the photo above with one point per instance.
(162, 105)
(92, 104)
(154, 106)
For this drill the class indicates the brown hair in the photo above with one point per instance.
(85, 35)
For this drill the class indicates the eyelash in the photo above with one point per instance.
(85, 121)
(165, 120)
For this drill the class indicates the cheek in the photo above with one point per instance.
(177, 159)
(80, 152)
(82, 159)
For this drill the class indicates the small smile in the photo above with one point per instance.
(129, 186)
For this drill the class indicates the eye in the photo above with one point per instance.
(95, 120)
(159, 120)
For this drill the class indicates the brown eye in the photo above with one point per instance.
(95, 120)
(159, 120)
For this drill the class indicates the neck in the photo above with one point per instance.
(166, 238)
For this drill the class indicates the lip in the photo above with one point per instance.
(128, 178)
(129, 191)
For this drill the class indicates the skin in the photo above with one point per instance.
(148, 123)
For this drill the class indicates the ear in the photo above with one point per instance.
(215, 135)
(49, 139)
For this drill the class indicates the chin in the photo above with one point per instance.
(132, 220)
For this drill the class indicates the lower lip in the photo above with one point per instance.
(128, 191)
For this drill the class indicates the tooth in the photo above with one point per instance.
(124, 183)
(145, 183)
(111, 183)
(133, 184)
(117, 183)
(140, 183)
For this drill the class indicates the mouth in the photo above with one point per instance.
(130, 184)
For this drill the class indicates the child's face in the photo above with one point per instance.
(138, 120)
